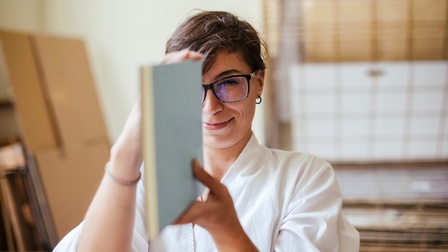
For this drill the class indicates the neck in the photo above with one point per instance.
(217, 161)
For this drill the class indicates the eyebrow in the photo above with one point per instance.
(227, 72)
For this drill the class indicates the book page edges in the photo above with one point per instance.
(152, 219)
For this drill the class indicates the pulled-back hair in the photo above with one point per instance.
(210, 32)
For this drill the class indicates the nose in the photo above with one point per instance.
(211, 104)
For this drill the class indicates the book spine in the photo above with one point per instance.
(152, 220)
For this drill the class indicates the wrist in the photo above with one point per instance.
(126, 155)
(233, 240)
(124, 163)
(119, 180)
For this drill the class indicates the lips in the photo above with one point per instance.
(216, 125)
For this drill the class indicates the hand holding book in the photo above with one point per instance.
(216, 213)
(172, 136)
(99, 230)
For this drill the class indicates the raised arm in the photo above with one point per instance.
(109, 222)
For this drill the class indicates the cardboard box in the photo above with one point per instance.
(72, 96)
(9, 132)
(29, 99)
(60, 119)
(71, 178)
(5, 92)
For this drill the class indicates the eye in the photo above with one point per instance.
(231, 81)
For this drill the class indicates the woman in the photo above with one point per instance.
(257, 198)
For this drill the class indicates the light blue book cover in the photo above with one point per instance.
(172, 131)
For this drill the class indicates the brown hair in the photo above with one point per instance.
(210, 32)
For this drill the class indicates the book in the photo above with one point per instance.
(172, 138)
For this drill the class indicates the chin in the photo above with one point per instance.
(215, 141)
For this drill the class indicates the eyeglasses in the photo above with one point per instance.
(230, 89)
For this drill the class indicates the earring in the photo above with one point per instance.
(258, 100)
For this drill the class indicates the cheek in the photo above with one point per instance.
(246, 111)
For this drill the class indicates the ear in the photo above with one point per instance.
(260, 82)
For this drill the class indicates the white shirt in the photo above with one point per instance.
(285, 201)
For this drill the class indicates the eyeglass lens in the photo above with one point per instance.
(231, 89)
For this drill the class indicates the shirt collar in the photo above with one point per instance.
(248, 161)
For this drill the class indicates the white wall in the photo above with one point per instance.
(120, 36)
(21, 14)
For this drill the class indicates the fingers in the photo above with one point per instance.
(181, 56)
(213, 212)
(196, 210)
(216, 188)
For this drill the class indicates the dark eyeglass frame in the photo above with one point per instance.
(212, 85)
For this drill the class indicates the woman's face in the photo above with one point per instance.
(225, 125)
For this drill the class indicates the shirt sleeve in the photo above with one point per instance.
(313, 219)
(139, 238)
(139, 241)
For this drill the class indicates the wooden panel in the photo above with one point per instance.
(354, 12)
(318, 33)
(399, 217)
(395, 11)
(429, 42)
(319, 13)
(70, 178)
(320, 51)
(353, 30)
(392, 41)
(392, 49)
(71, 90)
(29, 98)
(5, 90)
(8, 127)
(403, 241)
(355, 51)
(320, 44)
(424, 10)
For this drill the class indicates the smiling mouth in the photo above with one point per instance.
(215, 126)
